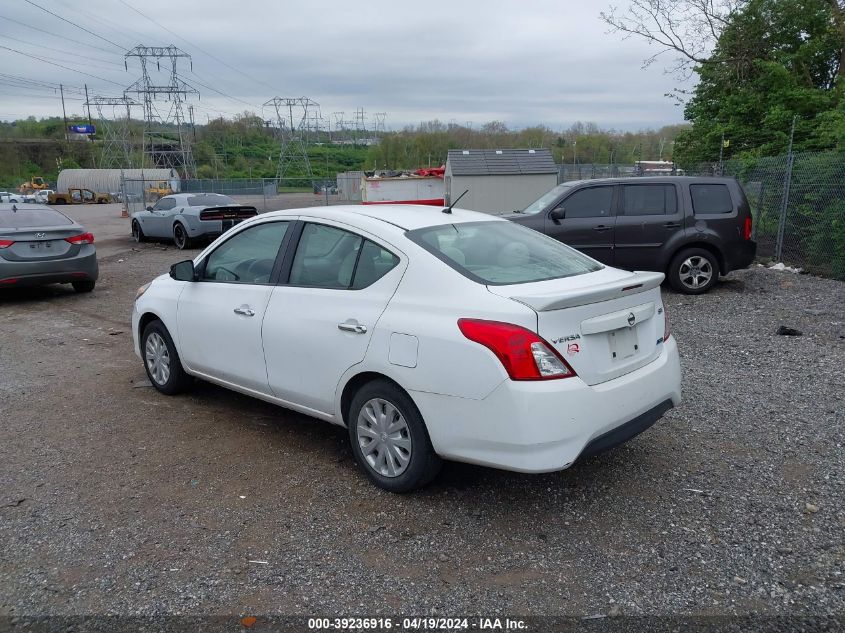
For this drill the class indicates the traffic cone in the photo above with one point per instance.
(124, 213)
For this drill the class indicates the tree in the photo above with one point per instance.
(760, 64)
(687, 28)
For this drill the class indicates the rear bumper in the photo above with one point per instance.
(545, 426)
(83, 267)
(740, 255)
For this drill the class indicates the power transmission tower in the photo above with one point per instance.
(291, 126)
(378, 124)
(360, 126)
(114, 116)
(166, 141)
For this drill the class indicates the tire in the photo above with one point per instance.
(693, 271)
(137, 232)
(161, 361)
(83, 286)
(180, 237)
(60, 201)
(388, 404)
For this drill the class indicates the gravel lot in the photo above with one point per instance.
(115, 499)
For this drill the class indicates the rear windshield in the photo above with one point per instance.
(29, 218)
(502, 253)
(546, 199)
(210, 200)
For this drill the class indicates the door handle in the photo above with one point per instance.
(352, 327)
(672, 225)
(601, 227)
(245, 311)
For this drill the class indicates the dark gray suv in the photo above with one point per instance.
(692, 229)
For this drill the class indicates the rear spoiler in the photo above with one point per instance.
(228, 213)
(639, 281)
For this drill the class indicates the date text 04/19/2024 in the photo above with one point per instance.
(428, 623)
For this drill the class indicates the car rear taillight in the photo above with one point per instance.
(746, 229)
(524, 355)
(666, 328)
(85, 238)
(6, 243)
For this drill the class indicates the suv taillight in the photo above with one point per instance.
(524, 355)
(746, 229)
(85, 238)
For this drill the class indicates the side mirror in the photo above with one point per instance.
(149, 208)
(558, 214)
(183, 271)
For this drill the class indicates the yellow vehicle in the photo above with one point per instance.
(75, 195)
(158, 190)
(36, 183)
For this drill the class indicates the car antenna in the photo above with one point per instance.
(449, 208)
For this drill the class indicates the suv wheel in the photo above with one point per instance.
(389, 438)
(693, 271)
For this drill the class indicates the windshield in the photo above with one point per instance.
(28, 218)
(546, 199)
(501, 253)
(209, 200)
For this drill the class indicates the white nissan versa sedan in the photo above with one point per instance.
(427, 334)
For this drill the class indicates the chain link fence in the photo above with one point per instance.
(797, 201)
(265, 194)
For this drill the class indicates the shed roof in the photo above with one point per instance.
(493, 162)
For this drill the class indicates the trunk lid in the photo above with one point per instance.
(605, 324)
(39, 245)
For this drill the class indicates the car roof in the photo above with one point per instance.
(633, 180)
(403, 216)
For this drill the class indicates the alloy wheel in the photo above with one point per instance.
(695, 272)
(158, 358)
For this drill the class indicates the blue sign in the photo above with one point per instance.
(82, 129)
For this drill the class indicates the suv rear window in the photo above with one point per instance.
(502, 253)
(28, 218)
(711, 199)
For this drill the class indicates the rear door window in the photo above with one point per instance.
(329, 257)
(593, 202)
(32, 218)
(649, 200)
(711, 199)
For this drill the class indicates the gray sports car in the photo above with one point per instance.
(188, 217)
(40, 245)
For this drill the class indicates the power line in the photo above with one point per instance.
(220, 92)
(69, 39)
(75, 24)
(127, 32)
(205, 52)
(64, 52)
(14, 50)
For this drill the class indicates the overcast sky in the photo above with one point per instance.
(522, 62)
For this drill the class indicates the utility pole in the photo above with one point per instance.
(64, 114)
(88, 105)
(721, 152)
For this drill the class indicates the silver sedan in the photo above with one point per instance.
(40, 245)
